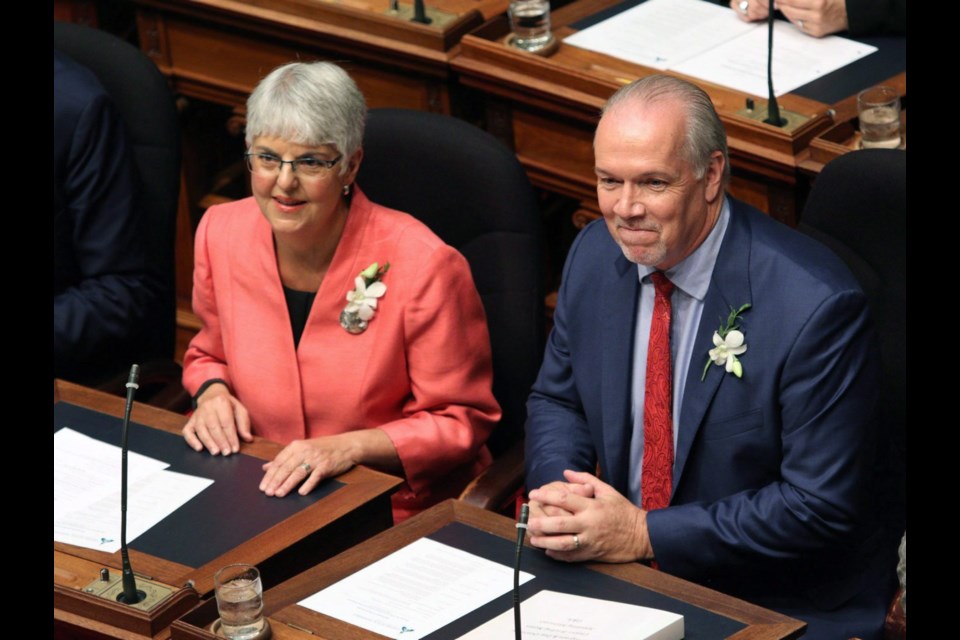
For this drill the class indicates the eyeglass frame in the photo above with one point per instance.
(327, 165)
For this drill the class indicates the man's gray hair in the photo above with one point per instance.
(308, 103)
(705, 133)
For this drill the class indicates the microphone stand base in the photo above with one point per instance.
(153, 592)
(759, 113)
(98, 602)
(434, 17)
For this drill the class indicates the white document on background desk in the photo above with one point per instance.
(550, 615)
(797, 59)
(86, 492)
(661, 33)
(415, 591)
(710, 42)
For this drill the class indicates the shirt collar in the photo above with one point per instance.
(692, 274)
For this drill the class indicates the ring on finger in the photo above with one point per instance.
(744, 6)
(306, 467)
(800, 24)
(576, 542)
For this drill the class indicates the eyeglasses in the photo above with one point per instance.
(267, 164)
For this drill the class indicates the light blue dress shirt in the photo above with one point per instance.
(691, 279)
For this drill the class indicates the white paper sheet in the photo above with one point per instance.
(797, 59)
(661, 33)
(149, 500)
(415, 591)
(86, 493)
(86, 469)
(710, 42)
(549, 615)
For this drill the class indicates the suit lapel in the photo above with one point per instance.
(619, 304)
(275, 333)
(729, 288)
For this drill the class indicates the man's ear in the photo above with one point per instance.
(714, 176)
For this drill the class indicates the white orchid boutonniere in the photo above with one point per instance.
(362, 300)
(728, 343)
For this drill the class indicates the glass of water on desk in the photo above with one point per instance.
(239, 601)
(530, 24)
(879, 110)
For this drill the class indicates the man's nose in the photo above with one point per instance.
(629, 202)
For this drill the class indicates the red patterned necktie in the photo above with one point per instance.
(657, 477)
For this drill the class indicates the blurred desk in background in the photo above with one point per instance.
(548, 108)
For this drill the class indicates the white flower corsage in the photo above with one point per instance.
(728, 343)
(362, 301)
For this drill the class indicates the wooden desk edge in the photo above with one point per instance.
(762, 623)
(362, 486)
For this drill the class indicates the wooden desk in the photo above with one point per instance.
(292, 622)
(218, 50)
(548, 108)
(349, 515)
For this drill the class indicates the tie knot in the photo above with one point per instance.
(662, 284)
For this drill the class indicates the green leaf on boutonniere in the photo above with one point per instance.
(374, 272)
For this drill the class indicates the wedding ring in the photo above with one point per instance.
(306, 467)
(576, 542)
(800, 24)
(744, 6)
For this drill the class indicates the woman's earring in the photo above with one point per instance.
(346, 189)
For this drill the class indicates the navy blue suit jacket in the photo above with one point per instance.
(102, 288)
(772, 470)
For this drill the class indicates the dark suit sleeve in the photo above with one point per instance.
(877, 17)
(827, 396)
(557, 435)
(100, 297)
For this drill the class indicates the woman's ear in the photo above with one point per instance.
(353, 165)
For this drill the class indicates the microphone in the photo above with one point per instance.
(130, 595)
(773, 108)
(521, 533)
(420, 13)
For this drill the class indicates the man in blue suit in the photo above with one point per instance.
(774, 384)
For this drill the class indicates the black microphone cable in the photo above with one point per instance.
(521, 533)
(130, 593)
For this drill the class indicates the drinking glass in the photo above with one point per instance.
(879, 109)
(239, 601)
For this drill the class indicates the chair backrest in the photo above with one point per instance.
(473, 193)
(145, 103)
(858, 207)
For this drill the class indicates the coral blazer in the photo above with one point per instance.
(421, 371)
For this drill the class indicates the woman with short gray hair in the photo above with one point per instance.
(342, 329)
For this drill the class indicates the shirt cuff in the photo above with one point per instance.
(206, 385)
